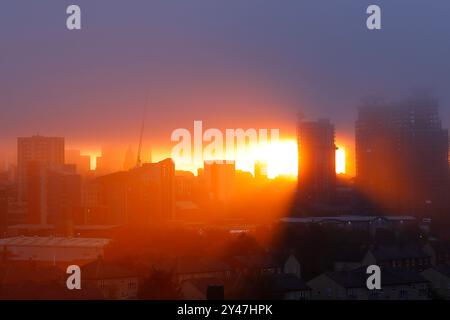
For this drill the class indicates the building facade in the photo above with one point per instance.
(316, 161)
(402, 157)
(49, 150)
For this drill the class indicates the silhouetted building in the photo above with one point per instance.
(317, 161)
(129, 160)
(141, 196)
(215, 292)
(260, 170)
(48, 150)
(63, 199)
(54, 194)
(114, 281)
(83, 163)
(3, 211)
(110, 161)
(36, 173)
(54, 249)
(402, 157)
(219, 177)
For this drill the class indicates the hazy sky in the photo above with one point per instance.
(230, 63)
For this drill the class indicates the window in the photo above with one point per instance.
(403, 294)
(351, 293)
(374, 294)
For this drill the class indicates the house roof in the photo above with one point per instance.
(440, 246)
(288, 282)
(350, 254)
(357, 278)
(202, 284)
(346, 219)
(53, 242)
(443, 269)
(51, 291)
(398, 252)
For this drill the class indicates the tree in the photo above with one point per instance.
(253, 287)
(159, 285)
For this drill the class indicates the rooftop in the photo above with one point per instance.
(89, 227)
(349, 218)
(54, 242)
(288, 282)
(398, 252)
(357, 278)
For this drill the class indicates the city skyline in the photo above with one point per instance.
(226, 67)
(224, 150)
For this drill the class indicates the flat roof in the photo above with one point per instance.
(54, 242)
(51, 226)
(345, 219)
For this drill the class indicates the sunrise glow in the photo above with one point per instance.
(340, 161)
(93, 156)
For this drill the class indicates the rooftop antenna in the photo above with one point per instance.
(138, 161)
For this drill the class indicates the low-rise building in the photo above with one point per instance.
(400, 257)
(260, 264)
(289, 287)
(54, 249)
(186, 268)
(439, 252)
(197, 289)
(115, 282)
(439, 278)
(351, 285)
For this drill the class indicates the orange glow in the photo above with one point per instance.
(93, 155)
(280, 157)
(340, 161)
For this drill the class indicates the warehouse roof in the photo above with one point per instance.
(348, 218)
(53, 242)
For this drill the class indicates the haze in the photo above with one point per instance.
(229, 63)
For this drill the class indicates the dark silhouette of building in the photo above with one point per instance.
(129, 160)
(402, 157)
(63, 198)
(48, 150)
(140, 196)
(219, 177)
(53, 193)
(82, 162)
(36, 192)
(215, 292)
(317, 162)
(3, 211)
(260, 170)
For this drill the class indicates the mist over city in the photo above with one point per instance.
(224, 150)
